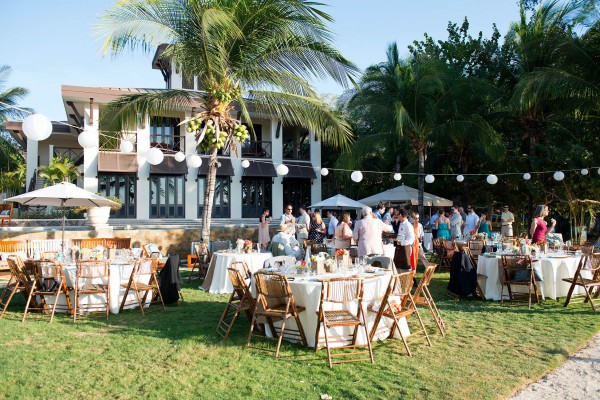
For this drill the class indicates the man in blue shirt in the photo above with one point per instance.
(380, 210)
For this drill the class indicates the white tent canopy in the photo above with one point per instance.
(339, 202)
(404, 194)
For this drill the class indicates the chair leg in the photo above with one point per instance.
(300, 329)
(280, 337)
(12, 293)
(397, 327)
(589, 297)
(55, 303)
(570, 293)
(224, 315)
(252, 325)
(319, 320)
(29, 300)
(437, 317)
(364, 324)
(140, 301)
(159, 293)
(122, 307)
(191, 273)
(75, 311)
(327, 344)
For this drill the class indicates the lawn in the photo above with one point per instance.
(490, 351)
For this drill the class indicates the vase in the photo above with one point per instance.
(98, 216)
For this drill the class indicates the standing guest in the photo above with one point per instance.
(485, 226)
(288, 219)
(289, 242)
(506, 219)
(463, 216)
(333, 222)
(302, 225)
(404, 244)
(539, 229)
(472, 222)
(379, 211)
(442, 226)
(419, 233)
(317, 230)
(395, 221)
(387, 216)
(343, 233)
(263, 228)
(367, 233)
(433, 222)
(456, 222)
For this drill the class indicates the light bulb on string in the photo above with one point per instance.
(87, 139)
(585, 171)
(37, 127)
(324, 171)
(559, 175)
(492, 179)
(126, 146)
(179, 156)
(356, 176)
(429, 178)
(245, 164)
(193, 161)
(397, 176)
(154, 156)
(282, 170)
(460, 178)
(527, 176)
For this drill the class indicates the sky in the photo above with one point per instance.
(49, 43)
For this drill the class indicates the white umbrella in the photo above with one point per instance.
(62, 195)
(340, 202)
(405, 193)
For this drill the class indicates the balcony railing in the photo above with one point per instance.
(296, 151)
(71, 153)
(255, 149)
(168, 142)
(112, 142)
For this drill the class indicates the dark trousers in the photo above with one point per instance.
(434, 233)
(402, 257)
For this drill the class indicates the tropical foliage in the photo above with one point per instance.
(60, 169)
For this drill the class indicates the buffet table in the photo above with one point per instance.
(217, 278)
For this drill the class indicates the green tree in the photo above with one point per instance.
(245, 53)
(60, 169)
(11, 155)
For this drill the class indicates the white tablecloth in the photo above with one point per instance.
(428, 241)
(217, 278)
(307, 293)
(553, 270)
(388, 251)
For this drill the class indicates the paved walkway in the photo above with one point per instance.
(577, 378)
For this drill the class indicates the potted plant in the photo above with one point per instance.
(98, 216)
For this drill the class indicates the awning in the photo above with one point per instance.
(261, 169)
(169, 166)
(300, 170)
(226, 168)
(117, 162)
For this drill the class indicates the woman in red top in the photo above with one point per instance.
(539, 229)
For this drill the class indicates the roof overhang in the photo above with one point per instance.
(15, 128)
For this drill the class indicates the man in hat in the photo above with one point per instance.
(506, 218)
(289, 242)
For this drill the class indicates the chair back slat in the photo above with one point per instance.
(45, 269)
(273, 289)
(476, 247)
(92, 269)
(342, 290)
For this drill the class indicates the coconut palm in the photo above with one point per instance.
(60, 169)
(247, 54)
(419, 101)
(10, 154)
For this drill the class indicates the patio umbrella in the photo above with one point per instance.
(339, 202)
(62, 195)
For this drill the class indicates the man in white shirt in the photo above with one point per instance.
(289, 220)
(455, 223)
(472, 221)
(291, 245)
(404, 243)
(432, 222)
(302, 224)
(367, 233)
(332, 224)
(506, 218)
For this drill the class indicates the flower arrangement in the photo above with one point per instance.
(318, 257)
(247, 245)
(473, 232)
(341, 252)
(540, 241)
(301, 265)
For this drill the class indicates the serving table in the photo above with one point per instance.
(217, 279)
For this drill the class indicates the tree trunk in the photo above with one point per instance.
(421, 177)
(209, 195)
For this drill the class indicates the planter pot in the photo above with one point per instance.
(98, 216)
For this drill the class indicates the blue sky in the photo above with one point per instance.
(51, 43)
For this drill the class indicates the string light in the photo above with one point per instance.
(527, 176)
(179, 156)
(356, 176)
(194, 161)
(397, 176)
(585, 171)
(429, 178)
(460, 178)
(559, 175)
(492, 179)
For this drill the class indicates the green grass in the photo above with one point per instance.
(489, 351)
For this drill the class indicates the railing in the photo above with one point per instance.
(296, 151)
(256, 149)
(221, 152)
(112, 142)
(71, 153)
(168, 142)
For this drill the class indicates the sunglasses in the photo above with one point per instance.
(290, 209)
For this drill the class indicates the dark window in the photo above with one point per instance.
(121, 186)
(296, 143)
(167, 196)
(256, 194)
(296, 191)
(187, 82)
(221, 204)
(166, 134)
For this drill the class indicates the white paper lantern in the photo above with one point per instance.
(598, 171)
(356, 176)
(397, 176)
(559, 175)
(324, 171)
(429, 178)
(245, 163)
(527, 176)
(492, 179)
(585, 171)
(126, 146)
(179, 156)
(282, 170)
(460, 178)
(194, 161)
(37, 127)
(155, 156)
(87, 139)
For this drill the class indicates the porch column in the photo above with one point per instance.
(278, 200)
(142, 197)
(90, 155)
(315, 159)
(32, 161)
(191, 184)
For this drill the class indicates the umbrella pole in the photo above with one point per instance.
(62, 242)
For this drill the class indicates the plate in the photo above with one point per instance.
(559, 255)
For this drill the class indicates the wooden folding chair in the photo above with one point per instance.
(317, 248)
(591, 286)
(423, 297)
(91, 279)
(342, 292)
(19, 282)
(142, 280)
(241, 300)
(476, 249)
(518, 271)
(219, 245)
(438, 249)
(49, 282)
(275, 301)
(49, 255)
(480, 277)
(448, 249)
(397, 302)
(203, 256)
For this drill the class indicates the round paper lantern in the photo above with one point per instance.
(559, 175)
(492, 179)
(179, 156)
(356, 176)
(598, 171)
(194, 161)
(324, 171)
(527, 176)
(282, 170)
(155, 156)
(429, 178)
(37, 127)
(245, 163)
(460, 178)
(126, 146)
(397, 176)
(87, 139)
(585, 171)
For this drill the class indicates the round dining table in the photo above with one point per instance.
(217, 278)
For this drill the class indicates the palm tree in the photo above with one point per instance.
(60, 169)
(10, 154)
(245, 53)
(420, 101)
